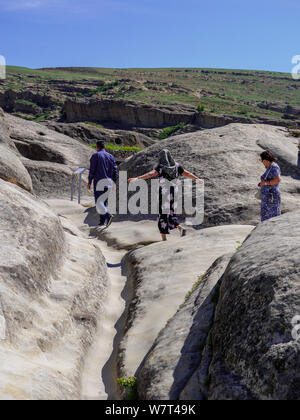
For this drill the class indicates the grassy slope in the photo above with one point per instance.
(232, 92)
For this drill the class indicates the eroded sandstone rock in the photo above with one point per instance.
(177, 351)
(254, 353)
(52, 286)
(11, 168)
(228, 159)
(89, 134)
(160, 276)
(38, 158)
(249, 349)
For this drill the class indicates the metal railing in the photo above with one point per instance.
(80, 172)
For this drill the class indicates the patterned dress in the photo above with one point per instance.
(271, 196)
(167, 218)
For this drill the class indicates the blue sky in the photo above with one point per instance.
(239, 34)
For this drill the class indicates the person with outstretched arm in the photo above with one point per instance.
(102, 167)
(167, 169)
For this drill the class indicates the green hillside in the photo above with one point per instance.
(244, 93)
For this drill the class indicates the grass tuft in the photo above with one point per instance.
(166, 132)
(114, 147)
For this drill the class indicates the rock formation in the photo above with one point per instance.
(244, 349)
(11, 168)
(41, 94)
(52, 287)
(38, 158)
(162, 376)
(207, 316)
(128, 113)
(88, 134)
(228, 159)
(160, 277)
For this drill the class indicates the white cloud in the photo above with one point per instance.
(14, 5)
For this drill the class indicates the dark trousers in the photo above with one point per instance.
(103, 217)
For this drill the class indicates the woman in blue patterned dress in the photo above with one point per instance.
(270, 180)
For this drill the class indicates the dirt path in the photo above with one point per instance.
(99, 377)
(99, 381)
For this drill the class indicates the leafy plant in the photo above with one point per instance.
(103, 88)
(166, 132)
(114, 147)
(201, 108)
(130, 387)
(42, 117)
(29, 103)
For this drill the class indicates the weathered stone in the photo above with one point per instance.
(66, 149)
(177, 351)
(160, 276)
(88, 134)
(50, 179)
(249, 349)
(128, 113)
(254, 353)
(50, 157)
(228, 159)
(52, 287)
(11, 168)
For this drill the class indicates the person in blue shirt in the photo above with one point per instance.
(102, 167)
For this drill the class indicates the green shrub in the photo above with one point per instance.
(166, 132)
(114, 147)
(201, 108)
(42, 117)
(25, 102)
(93, 124)
(130, 387)
(103, 88)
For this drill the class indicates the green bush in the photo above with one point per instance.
(201, 108)
(103, 88)
(166, 132)
(93, 124)
(114, 147)
(29, 103)
(130, 387)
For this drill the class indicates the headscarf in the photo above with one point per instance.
(165, 159)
